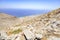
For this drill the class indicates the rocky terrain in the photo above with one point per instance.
(37, 27)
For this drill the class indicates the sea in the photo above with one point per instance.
(23, 12)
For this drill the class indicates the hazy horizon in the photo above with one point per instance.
(23, 12)
(28, 7)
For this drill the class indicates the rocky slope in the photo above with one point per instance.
(8, 20)
(38, 27)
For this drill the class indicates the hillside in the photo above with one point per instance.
(8, 20)
(37, 27)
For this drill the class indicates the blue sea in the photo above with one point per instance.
(23, 12)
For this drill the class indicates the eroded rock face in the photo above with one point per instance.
(39, 27)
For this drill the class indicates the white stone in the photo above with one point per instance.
(53, 38)
(39, 35)
(28, 34)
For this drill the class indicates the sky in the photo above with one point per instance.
(29, 4)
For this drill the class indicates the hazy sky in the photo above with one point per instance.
(29, 4)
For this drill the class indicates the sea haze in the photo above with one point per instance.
(23, 12)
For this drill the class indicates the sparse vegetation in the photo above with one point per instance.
(16, 31)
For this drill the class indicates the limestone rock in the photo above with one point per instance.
(38, 27)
